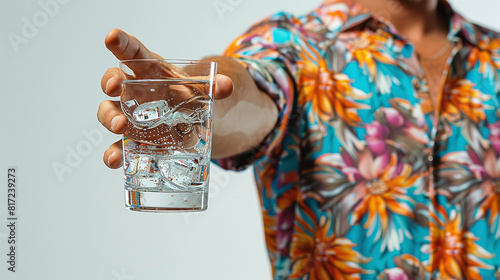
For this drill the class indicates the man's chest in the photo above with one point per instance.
(376, 130)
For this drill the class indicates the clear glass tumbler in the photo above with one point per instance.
(167, 145)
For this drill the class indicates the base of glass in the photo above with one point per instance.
(161, 202)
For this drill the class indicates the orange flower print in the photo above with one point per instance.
(334, 15)
(270, 231)
(487, 54)
(330, 94)
(375, 185)
(460, 98)
(285, 219)
(454, 253)
(320, 254)
(381, 193)
(346, 105)
(370, 48)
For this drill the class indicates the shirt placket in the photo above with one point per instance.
(435, 133)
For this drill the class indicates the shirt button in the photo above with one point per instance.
(430, 158)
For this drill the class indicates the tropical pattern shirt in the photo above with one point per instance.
(361, 179)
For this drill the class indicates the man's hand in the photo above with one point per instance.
(125, 46)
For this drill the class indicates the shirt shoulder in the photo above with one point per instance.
(489, 39)
(478, 35)
(331, 16)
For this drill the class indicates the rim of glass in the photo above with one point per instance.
(169, 60)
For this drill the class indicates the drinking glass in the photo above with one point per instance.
(167, 145)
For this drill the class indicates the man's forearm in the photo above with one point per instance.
(243, 119)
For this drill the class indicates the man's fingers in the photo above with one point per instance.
(111, 82)
(110, 115)
(113, 156)
(223, 86)
(125, 46)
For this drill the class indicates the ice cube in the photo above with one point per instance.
(129, 106)
(143, 167)
(164, 167)
(149, 182)
(150, 114)
(179, 171)
(131, 162)
(131, 103)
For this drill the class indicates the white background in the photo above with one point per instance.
(72, 223)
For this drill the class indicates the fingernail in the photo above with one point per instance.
(114, 122)
(108, 83)
(109, 157)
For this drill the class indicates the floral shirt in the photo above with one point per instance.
(360, 179)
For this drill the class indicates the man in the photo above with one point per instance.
(376, 141)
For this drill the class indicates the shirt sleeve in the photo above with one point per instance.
(269, 51)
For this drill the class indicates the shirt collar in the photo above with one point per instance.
(460, 27)
(341, 15)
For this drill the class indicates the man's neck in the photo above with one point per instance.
(414, 19)
(426, 27)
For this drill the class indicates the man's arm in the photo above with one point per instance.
(245, 118)
(243, 114)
